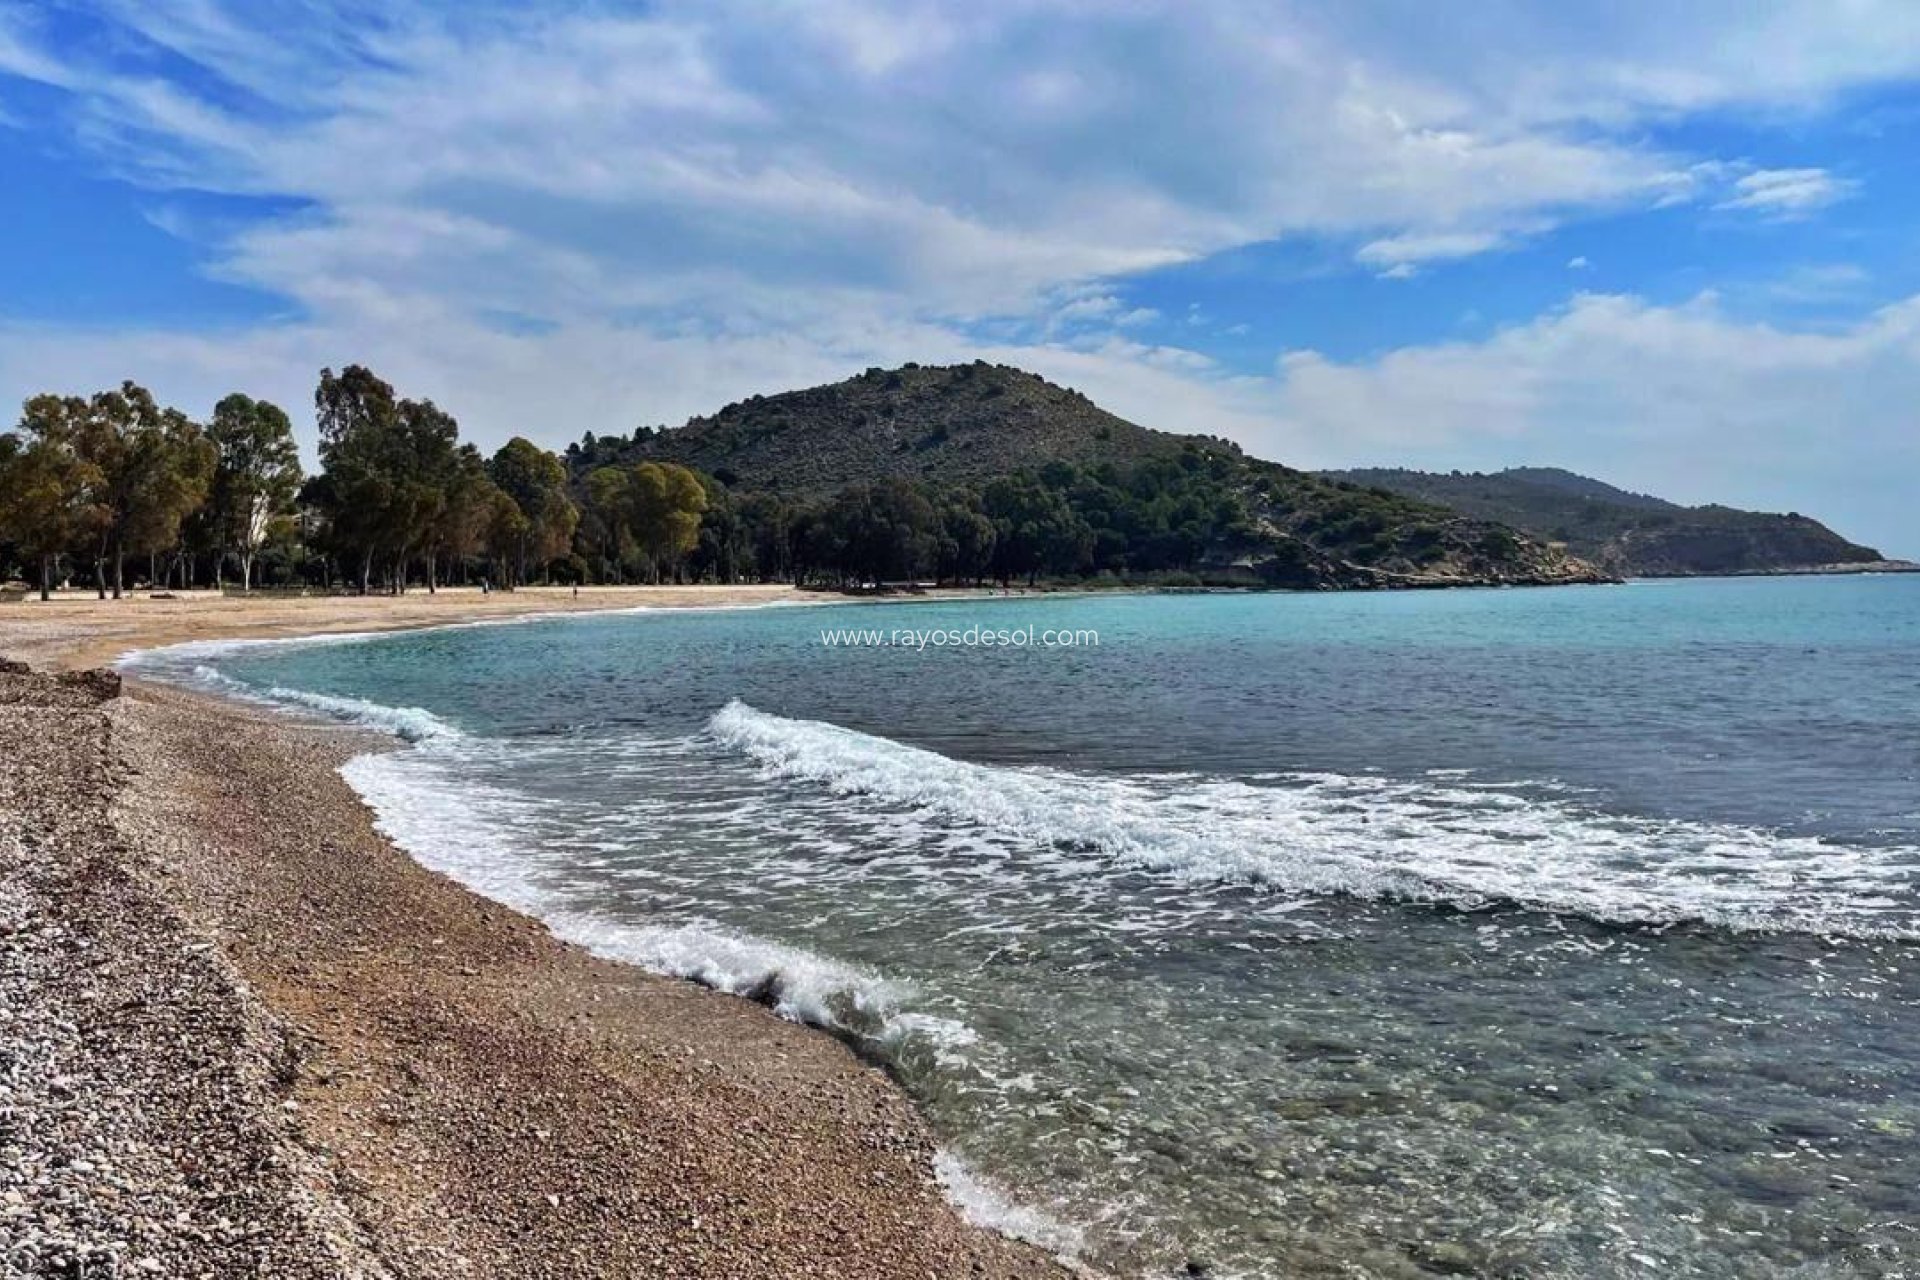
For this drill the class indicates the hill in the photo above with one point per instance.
(963, 424)
(1628, 533)
(1101, 496)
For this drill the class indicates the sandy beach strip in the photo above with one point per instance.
(77, 630)
(244, 1035)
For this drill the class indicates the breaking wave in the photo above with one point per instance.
(1369, 837)
(497, 842)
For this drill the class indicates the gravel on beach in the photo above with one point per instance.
(242, 1035)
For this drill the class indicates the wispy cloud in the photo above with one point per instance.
(694, 154)
(1398, 257)
(1787, 192)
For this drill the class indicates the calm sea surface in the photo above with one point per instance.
(1515, 933)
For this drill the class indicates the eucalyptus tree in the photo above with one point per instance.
(148, 468)
(666, 502)
(536, 482)
(606, 524)
(653, 508)
(359, 420)
(389, 463)
(47, 490)
(255, 477)
(470, 501)
(429, 449)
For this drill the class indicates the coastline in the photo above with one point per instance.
(78, 631)
(411, 1079)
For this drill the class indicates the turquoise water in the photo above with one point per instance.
(1543, 933)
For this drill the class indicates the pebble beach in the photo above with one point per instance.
(242, 1034)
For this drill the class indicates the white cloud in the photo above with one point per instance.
(1426, 247)
(743, 158)
(965, 161)
(1787, 191)
(1578, 263)
(1400, 257)
(1685, 401)
(1818, 284)
(1628, 60)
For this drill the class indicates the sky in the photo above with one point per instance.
(1671, 246)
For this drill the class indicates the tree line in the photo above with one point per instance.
(114, 489)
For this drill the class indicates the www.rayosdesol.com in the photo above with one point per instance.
(1028, 637)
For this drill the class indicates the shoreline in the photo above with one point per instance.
(77, 632)
(437, 1084)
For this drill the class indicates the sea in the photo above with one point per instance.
(1560, 932)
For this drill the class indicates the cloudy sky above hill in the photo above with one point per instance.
(1670, 247)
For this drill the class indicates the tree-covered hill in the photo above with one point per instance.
(1069, 490)
(1628, 533)
(959, 424)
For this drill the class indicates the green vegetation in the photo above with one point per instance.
(956, 475)
(648, 513)
(101, 478)
(256, 473)
(1628, 533)
(978, 471)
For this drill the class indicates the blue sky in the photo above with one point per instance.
(1673, 249)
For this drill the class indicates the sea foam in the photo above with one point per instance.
(1368, 837)
(413, 724)
(497, 842)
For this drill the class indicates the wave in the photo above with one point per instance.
(496, 842)
(413, 724)
(1369, 837)
(986, 1204)
(864, 1008)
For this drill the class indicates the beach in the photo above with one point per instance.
(246, 1035)
(76, 629)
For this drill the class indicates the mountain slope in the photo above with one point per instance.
(963, 424)
(1135, 490)
(1628, 533)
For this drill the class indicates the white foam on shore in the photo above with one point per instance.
(412, 724)
(985, 1204)
(168, 661)
(1369, 837)
(856, 1003)
(490, 840)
